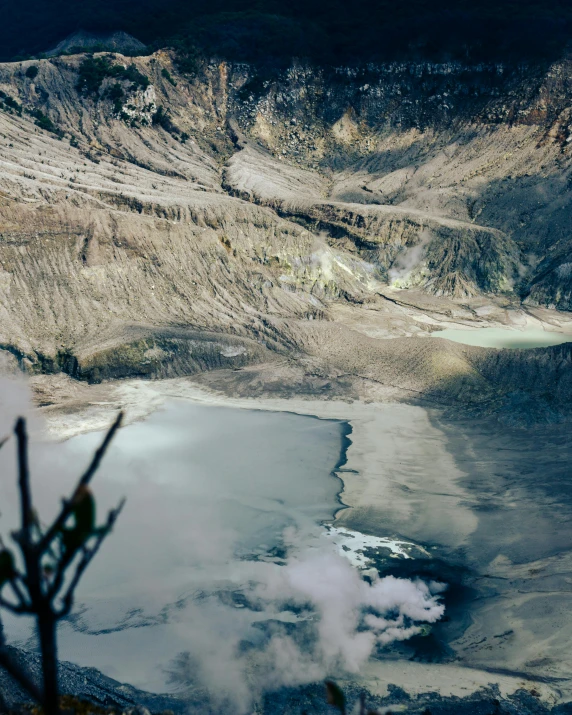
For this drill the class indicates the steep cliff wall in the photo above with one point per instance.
(155, 224)
(485, 145)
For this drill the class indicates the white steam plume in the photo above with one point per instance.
(316, 617)
(409, 259)
(296, 622)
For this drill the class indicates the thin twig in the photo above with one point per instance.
(67, 507)
(99, 454)
(24, 479)
(64, 564)
(32, 590)
(18, 591)
(13, 607)
(88, 555)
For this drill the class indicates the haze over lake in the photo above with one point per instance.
(203, 485)
(211, 491)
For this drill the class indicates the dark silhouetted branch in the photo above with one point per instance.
(88, 555)
(24, 479)
(48, 555)
(17, 608)
(67, 507)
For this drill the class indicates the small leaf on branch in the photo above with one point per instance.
(83, 511)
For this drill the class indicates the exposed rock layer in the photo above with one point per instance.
(256, 217)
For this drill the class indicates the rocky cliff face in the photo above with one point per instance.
(156, 225)
(479, 157)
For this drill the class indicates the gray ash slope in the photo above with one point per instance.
(90, 685)
(235, 219)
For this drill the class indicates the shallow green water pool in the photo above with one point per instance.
(504, 337)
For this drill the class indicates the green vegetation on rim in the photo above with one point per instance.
(94, 70)
(44, 122)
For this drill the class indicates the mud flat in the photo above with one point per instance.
(493, 507)
(489, 506)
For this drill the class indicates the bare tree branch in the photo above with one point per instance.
(47, 558)
(14, 607)
(24, 479)
(84, 481)
(88, 555)
(64, 564)
(18, 591)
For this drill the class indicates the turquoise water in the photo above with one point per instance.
(504, 337)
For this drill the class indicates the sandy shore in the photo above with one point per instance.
(407, 476)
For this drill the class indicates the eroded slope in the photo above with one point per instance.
(160, 225)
